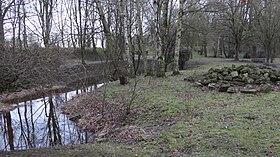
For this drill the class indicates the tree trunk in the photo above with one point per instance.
(19, 23)
(25, 44)
(268, 51)
(124, 46)
(2, 36)
(8, 118)
(178, 39)
(237, 49)
(164, 31)
(254, 51)
(205, 49)
(106, 28)
(160, 71)
(141, 39)
(3, 12)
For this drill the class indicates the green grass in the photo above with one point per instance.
(86, 150)
(184, 120)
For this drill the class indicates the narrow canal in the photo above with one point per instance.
(40, 123)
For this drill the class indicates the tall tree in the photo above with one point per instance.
(235, 20)
(160, 71)
(4, 8)
(45, 16)
(267, 26)
(115, 48)
(178, 37)
(141, 46)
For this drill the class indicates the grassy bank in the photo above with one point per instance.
(171, 117)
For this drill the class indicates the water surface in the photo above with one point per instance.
(40, 123)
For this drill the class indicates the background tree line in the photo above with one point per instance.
(125, 31)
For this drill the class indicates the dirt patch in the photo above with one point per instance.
(97, 114)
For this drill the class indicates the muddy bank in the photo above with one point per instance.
(8, 100)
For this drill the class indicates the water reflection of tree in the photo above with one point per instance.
(38, 125)
(54, 132)
(9, 130)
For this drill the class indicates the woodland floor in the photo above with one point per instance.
(172, 117)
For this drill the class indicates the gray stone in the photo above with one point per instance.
(266, 75)
(249, 86)
(198, 84)
(234, 74)
(212, 85)
(277, 72)
(211, 70)
(220, 77)
(228, 78)
(224, 87)
(278, 83)
(232, 90)
(254, 76)
(273, 78)
(245, 70)
(225, 73)
(238, 83)
(249, 80)
(248, 91)
(265, 88)
(245, 74)
(239, 68)
(205, 82)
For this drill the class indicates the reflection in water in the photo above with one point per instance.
(40, 123)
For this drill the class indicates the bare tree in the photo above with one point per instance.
(178, 38)
(45, 11)
(142, 48)
(235, 19)
(160, 71)
(4, 8)
(267, 26)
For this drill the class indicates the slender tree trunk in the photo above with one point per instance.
(141, 38)
(178, 38)
(106, 29)
(129, 12)
(3, 12)
(82, 29)
(254, 51)
(19, 23)
(93, 29)
(2, 36)
(160, 71)
(268, 51)
(205, 49)
(237, 49)
(124, 47)
(10, 130)
(14, 23)
(164, 31)
(25, 44)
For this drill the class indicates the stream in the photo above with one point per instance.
(40, 123)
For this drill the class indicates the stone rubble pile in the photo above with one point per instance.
(243, 78)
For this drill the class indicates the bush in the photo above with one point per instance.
(29, 68)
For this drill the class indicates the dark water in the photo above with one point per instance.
(40, 123)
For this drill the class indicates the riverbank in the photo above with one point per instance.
(171, 117)
(8, 100)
